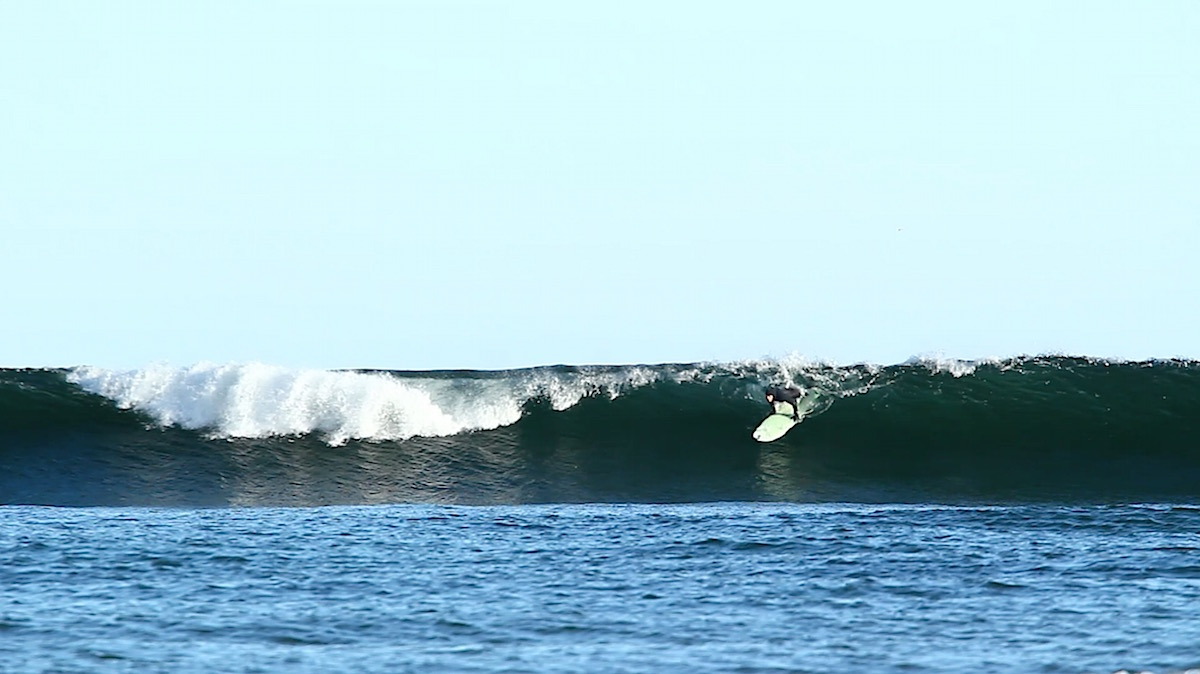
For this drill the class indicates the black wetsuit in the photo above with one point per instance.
(787, 395)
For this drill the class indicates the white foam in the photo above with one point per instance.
(255, 400)
(956, 367)
(807, 373)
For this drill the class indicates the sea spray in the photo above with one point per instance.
(254, 400)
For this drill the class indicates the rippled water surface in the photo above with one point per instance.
(708, 587)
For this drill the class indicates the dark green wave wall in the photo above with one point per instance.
(1026, 429)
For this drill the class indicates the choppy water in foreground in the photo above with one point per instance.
(760, 587)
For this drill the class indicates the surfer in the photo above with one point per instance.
(780, 395)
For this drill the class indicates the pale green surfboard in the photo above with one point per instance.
(775, 426)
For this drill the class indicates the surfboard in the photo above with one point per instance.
(774, 427)
(780, 422)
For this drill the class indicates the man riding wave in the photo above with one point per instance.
(785, 400)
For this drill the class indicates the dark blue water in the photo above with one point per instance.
(601, 588)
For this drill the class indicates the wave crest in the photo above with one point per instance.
(254, 400)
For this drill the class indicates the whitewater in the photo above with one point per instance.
(257, 400)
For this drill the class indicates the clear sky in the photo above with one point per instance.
(499, 184)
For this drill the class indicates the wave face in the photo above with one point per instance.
(1030, 428)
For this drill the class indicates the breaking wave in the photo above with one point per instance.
(1022, 428)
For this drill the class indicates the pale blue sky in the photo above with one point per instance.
(487, 184)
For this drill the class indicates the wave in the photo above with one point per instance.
(257, 401)
(1046, 427)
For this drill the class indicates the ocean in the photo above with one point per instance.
(1031, 514)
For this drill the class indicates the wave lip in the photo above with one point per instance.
(258, 401)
